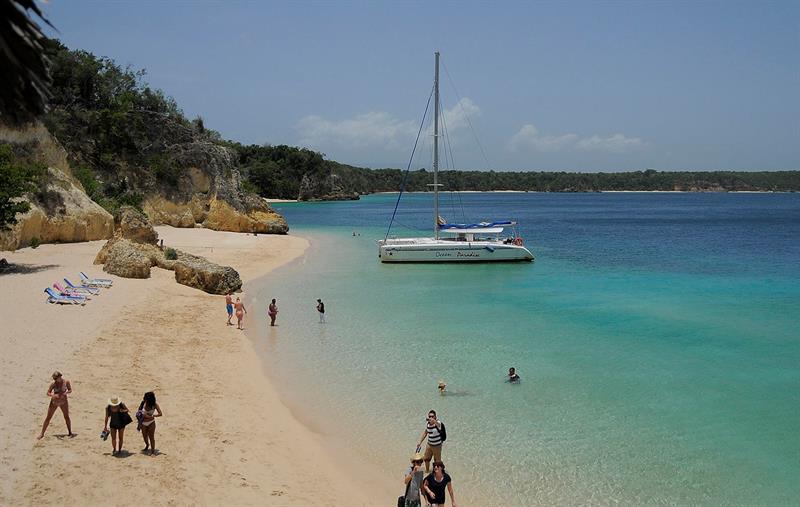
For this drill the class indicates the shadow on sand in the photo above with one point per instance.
(24, 269)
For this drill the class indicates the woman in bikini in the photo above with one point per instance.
(240, 311)
(149, 410)
(58, 392)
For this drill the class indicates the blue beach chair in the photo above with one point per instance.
(96, 282)
(82, 288)
(53, 297)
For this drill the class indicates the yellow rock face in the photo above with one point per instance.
(214, 214)
(72, 216)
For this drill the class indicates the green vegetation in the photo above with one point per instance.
(363, 180)
(170, 254)
(16, 178)
(35, 242)
(276, 171)
(116, 129)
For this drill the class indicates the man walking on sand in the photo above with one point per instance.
(434, 430)
(229, 306)
(321, 310)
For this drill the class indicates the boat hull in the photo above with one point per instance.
(452, 252)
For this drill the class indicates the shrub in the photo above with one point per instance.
(171, 254)
(35, 242)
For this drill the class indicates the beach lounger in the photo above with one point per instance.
(63, 300)
(95, 282)
(82, 288)
(70, 292)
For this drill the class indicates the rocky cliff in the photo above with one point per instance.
(209, 192)
(60, 211)
(324, 188)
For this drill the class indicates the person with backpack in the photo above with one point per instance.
(436, 434)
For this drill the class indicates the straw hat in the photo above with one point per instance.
(56, 374)
(416, 456)
(441, 383)
(114, 401)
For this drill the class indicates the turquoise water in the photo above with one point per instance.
(657, 336)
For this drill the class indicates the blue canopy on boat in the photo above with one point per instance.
(482, 225)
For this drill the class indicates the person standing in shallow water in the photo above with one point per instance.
(272, 312)
(321, 310)
(240, 311)
(58, 392)
(229, 306)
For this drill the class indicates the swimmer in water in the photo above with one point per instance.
(442, 387)
(512, 375)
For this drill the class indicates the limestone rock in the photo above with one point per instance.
(328, 188)
(61, 211)
(130, 260)
(132, 252)
(133, 225)
(202, 274)
(223, 217)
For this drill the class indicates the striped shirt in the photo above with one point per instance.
(434, 437)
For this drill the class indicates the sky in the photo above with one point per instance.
(534, 85)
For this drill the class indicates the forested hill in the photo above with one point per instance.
(366, 180)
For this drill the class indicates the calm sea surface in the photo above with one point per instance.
(657, 336)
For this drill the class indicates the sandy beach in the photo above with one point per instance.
(225, 437)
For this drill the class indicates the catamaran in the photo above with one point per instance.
(478, 242)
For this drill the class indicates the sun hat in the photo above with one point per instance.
(114, 401)
(416, 456)
(56, 374)
(441, 383)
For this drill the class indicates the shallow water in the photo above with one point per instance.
(657, 336)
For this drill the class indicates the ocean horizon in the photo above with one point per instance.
(656, 335)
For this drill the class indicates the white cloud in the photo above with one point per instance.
(370, 129)
(614, 144)
(376, 129)
(458, 116)
(529, 138)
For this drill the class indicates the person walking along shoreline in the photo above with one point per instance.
(321, 310)
(272, 311)
(434, 430)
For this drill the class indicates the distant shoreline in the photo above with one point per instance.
(596, 192)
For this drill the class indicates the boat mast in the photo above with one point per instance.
(436, 150)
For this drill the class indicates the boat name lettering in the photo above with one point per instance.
(443, 254)
(467, 254)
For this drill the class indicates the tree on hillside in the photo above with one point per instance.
(15, 180)
(23, 65)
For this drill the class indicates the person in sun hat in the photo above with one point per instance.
(413, 481)
(442, 387)
(58, 392)
(117, 413)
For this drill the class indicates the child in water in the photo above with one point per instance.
(512, 375)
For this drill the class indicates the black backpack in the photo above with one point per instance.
(442, 432)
